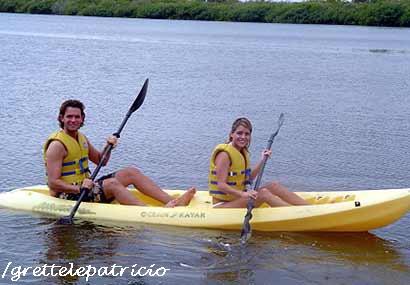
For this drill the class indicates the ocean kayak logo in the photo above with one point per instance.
(173, 215)
(51, 207)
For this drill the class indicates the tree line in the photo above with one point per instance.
(394, 13)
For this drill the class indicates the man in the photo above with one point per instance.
(66, 156)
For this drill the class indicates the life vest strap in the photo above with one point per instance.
(216, 183)
(230, 173)
(81, 164)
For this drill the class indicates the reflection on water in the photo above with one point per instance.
(216, 257)
(355, 248)
(305, 257)
(79, 244)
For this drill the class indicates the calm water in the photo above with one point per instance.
(344, 92)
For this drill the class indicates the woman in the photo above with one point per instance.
(230, 173)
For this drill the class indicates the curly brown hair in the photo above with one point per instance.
(73, 104)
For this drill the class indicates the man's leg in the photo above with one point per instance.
(132, 176)
(114, 189)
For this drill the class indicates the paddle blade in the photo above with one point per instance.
(140, 98)
(246, 232)
(67, 220)
(281, 120)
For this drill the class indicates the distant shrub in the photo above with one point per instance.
(360, 12)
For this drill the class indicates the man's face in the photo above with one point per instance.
(72, 119)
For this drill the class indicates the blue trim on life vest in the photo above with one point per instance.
(68, 163)
(216, 183)
(217, 192)
(68, 173)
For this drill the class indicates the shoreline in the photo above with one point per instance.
(381, 13)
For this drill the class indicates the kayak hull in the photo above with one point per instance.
(344, 211)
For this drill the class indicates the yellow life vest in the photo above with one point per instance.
(75, 164)
(238, 175)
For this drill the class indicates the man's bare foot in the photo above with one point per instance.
(182, 200)
(171, 204)
(185, 198)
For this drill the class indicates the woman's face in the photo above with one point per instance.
(241, 137)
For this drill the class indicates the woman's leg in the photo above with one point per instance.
(263, 196)
(283, 193)
(238, 203)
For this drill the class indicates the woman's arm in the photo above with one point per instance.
(222, 163)
(257, 167)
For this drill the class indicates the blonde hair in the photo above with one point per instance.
(244, 122)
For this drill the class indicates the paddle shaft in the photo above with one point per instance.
(251, 202)
(107, 150)
(246, 229)
(262, 169)
(84, 190)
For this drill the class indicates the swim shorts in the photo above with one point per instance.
(95, 195)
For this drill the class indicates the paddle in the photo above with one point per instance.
(137, 103)
(246, 228)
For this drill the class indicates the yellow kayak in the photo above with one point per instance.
(329, 211)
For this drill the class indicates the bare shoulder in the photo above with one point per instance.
(56, 149)
(223, 158)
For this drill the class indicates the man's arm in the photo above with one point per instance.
(95, 156)
(54, 162)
